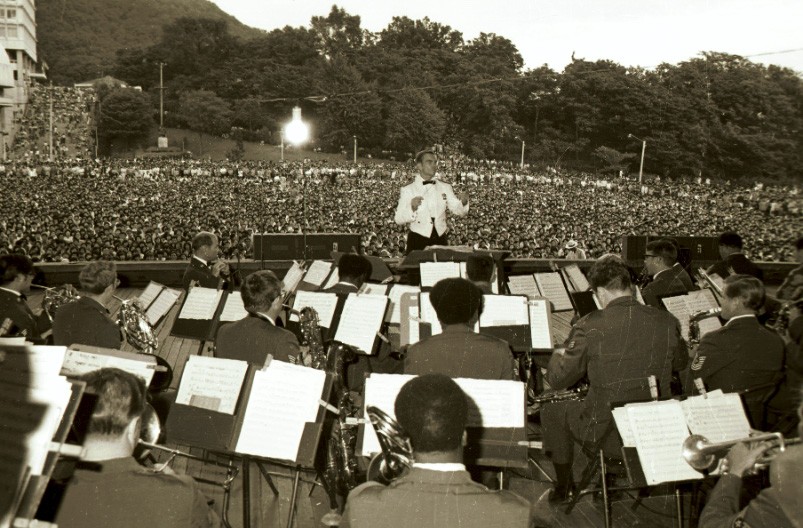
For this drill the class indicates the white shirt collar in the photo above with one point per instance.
(267, 317)
(349, 284)
(420, 180)
(444, 466)
(199, 259)
(663, 270)
(735, 317)
(15, 292)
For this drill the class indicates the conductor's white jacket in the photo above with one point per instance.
(437, 198)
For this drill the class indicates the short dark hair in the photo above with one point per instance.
(433, 410)
(96, 276)
(260, 289)
(13, 265)
(799, 244)
(665, 249)
(353, 266)
(480, 268)
(610, 273)
(204, 238)
(746, 288)
(420, 154)
(730, 239)
(456, 300)
(121, 398)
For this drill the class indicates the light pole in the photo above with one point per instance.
(161, 95)
(297, 132)
(355, 150)
(522, 151)
(643, 148)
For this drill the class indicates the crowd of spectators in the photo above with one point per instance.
(78, 210)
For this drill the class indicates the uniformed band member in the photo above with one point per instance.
(438, 491)
(458, 351)
(680, 272)
(256, 336)
(733, 258)
(616, 349)
(480, 271)
(353, 271)
(659, 259)
(86, 321)
(792, 287)
(423, 204)
(112, 489)
(16, 317)
(204, 266)
(742, 354)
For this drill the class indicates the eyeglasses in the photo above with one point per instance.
(647, 255)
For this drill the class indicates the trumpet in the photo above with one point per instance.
(702, 454)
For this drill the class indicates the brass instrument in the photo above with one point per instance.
(694, 324)
(308, 321)
(396, 457)
(55, 298)
(701, 454)
(140, 334)
(780, 319)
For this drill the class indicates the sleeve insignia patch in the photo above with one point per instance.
(697, 364)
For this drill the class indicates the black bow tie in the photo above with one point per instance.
(429, 182)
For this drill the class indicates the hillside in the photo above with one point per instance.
(78, 38)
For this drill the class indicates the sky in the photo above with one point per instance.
(630, 32)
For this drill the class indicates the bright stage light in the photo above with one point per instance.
(296, 131)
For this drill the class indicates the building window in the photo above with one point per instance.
(12, 32)
(11, 13)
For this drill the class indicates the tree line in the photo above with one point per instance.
(419, 82)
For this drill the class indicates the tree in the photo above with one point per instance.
(204, 111)
(338, 34)
(412, 121)
(613, 159)
(124, 115)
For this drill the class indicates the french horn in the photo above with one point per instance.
(396, 457)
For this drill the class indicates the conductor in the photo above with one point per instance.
(423, 203)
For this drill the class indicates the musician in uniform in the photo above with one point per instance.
(16, 317)
(256, 336)
(205, 266)
(109, 487)
(742, 354)
(353, 271)
(423, 203)
(480, 271)
(679, 271)
(438, 491)
(733, 258)
(792, 287)
(659, 259)
(86, 320)
(616, 349)
(458, 351)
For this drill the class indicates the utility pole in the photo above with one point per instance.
(51, 120)
(355, 150)
(161, 95)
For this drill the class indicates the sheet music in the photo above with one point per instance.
(701, 300)
(380, 391)
(317, 272)
(523, 285)
(539, 324)
(212, 383)
(432, 272)
(660, 429)
(394, 295)
(500, 403)
(201, 303)
(360, 321)
(33, 365)
(504, 310)
(234, 309)
(623, 425)
(293, 277)
(161, 305)
(413, 315)
(79, 362)
(719, 417)
(551, 286)
(283, 399)
(679, 307)
(333, 279)
(577, 278)
(323, 303)
(369, 288)
(709, 324)
(427, 313)
(150, 293)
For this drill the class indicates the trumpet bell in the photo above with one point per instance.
(694, 452)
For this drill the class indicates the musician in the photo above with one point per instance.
(423, 203)
(438, 491)
(730, 249)
(256, 336)
(659, 259)
(617, 349)
(353, 271)
(16, 274)
(680, 272)
(113, 489)
(204, 266)
(86, 321)
(778, 506)
(458, 351)
(792, 287)
(480, 271)
(742, 354)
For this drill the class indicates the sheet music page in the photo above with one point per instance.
(395, 293)
(577, 278)
(660, 429)
(34, 365)
(233, 310)
(701, 300)
(494, 280)
(370, 288)
(551, 287)
(293, 277)
(323, 303)
(709, 324)
(317, 272)
(639, 297)
(360, 321)
(427, 313)
(150, 293)
(500, 403)
(333, 279)
(432, 272)
(463, 269)
(380, 391)
(679, 307)
(212, 383)
(504, 310)
(523, 285)
(539, 324)
(200, 303)
(623, 425)
(283, 399)
(161, 305)
(409, 327)
(719, 417)
(79, 362)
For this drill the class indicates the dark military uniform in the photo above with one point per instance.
(14, 306)
(198, 271)
(253, 338)
(665, 284)
(124, 494)
(739, 263)
(740, 355)
(617, 349)
(86, 322)
(683, 276)
(792, 287)
(459, 352)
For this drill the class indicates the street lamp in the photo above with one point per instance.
(643, 148)
(355, 150)
(297, 133)
(522, 151)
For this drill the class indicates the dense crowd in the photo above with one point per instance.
(78, 210)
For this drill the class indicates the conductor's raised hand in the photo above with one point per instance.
(416, 202)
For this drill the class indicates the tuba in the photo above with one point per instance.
(396, 457)
(55, 298)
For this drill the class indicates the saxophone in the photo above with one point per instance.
(694, 325)
(311, 337)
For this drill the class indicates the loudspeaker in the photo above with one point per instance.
(290, 246)
(692, 248)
